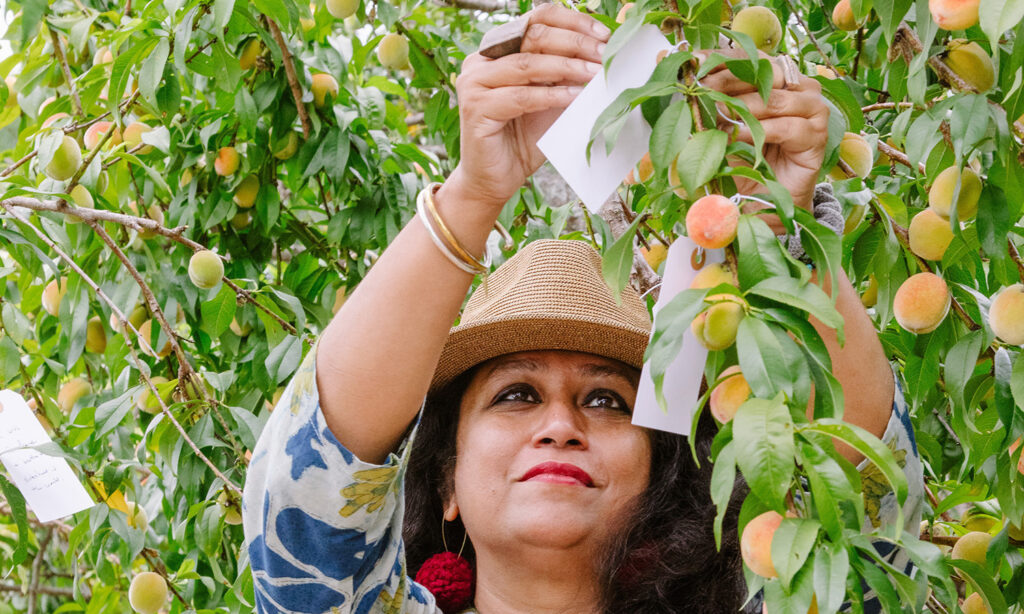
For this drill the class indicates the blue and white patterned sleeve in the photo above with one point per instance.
(324, 529)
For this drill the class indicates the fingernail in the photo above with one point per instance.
(601, 30)
(574, 90)
(593, 67)
(600, 49)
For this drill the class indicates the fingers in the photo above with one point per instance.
(783, 103)
(507, 103)
(536, 69)
(795, 134)
(723, 80)
(567, 19)
(541, 38)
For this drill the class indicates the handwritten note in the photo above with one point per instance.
(50, 487)
(683, 376)
(565, 142)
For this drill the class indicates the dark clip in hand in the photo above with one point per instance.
(504, 39)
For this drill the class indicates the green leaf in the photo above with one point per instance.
(218, 312)
(16, 501)
(760, 357)
(723, 480)
(284, 358)
(803, 296)
(791, 544)
(700, 159)
(275, 9)
(981, 580)
(831, 491)
(831, 566)
(960, 362)
(617, 260)
(670, 133)
(763, 429)
(152, 70)
(998, 16)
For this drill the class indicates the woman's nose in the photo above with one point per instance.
(561, 425)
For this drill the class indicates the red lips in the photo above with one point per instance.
(565, 470)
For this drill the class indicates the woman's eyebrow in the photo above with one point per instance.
(599, 370)
(513, 364)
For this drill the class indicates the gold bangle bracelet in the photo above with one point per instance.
(479, 266)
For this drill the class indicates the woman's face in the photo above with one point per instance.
(546, 453)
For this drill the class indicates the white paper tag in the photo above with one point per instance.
(683, 376)
(50, 486)
(565, 142)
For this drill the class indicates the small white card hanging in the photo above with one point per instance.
(681, 387)
(565, 142)
(50, 487)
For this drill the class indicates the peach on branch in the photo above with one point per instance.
(95, 336)
(71, 392)
(323, 85)
(393, 51)
(711, 221)
(12, 95)
(621, 16)
(133, 136)
(341, 9)
(729, 394)
(854, 218)
(756, 543)
(1006, 315)
(147, 593)
(95, 132)
(241, 220)
(241, 330)
(716, 327)
(970, 62)
(954, 14)
(245, 193)
(227, 161)
(921, 303)
(929, 235)
(713, 275)
(137, 517)
(53, 294)
(972, 547)
(655, 255)
(857, 153)
(250, 51)
(842, 16)
(205, 269)
(761, 24)
(103, 56)
(81, 197)
(146, 332)
(940, 195)
(231, 507)
(65, 161)
(975, 604)
(145, 400)
(154, 213)
(287, 146)
(643, 171)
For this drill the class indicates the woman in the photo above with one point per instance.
(525, 459)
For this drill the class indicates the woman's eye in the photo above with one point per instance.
(606, 399)
(517, 394)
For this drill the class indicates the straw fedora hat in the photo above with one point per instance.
(550, 296)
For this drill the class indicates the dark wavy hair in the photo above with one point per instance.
(665, 561)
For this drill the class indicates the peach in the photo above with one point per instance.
(241, 330)
(231, 507)
(95, 336)
(322, 85)
(71, 392)
(95, 132)
(954, 14)
(842, 16)
(250, 52)
(154, 213)
(655, 255)
(53, 294)
(245, 193)
(972, 547)
(12, 95)
(711, 221)
(205, 269)
(921, 303)
(133, 136)
(393, 51)
(728, 395)
(81, 197)
(287, 146)
(643, 171)
(65, 161)
(147, 593)
(975, 604)
(940, 195)
(146, 332)
(716, 327)
(103, 56)
(855, 151)
(241, 220)
(137, 517)
(970, 62)
(341, 9)
(929, 235)
(621, 16)
(761, 24)
(136, 317)
(713, 275)
(756, 543)
(145, 400)
(227, 161)
(1006, 315)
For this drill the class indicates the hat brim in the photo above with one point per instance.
(471, 344)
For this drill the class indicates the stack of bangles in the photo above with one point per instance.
(443, 237)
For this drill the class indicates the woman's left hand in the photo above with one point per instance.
(795, 122)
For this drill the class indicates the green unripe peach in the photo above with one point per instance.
(241, 330)
(147, 593)
(241, 220)
(954, 14)
(103, 56)
(855, 151)
(713, 275)
(205, 269)
(716, 327)
(231, 507)
(972, 547)
(393, 51)
(322, 85)
(227, 161)
(137, 517)
(843, 17)
(71, 392)
(154, 213)
(65, 161)
(340, 9)
(136, 317)
(854, 218)
(53, 294)
(12, 95)
(80, 197)
(761, 24)
(711, 221)
(133, 136)
(870, 296)
(1015, 532)
(921, 303)
(245, 193)
(145, 400)
(975, 604)
(250, 51)
(146, 332)
(970, 62)
(727, 396)
(95, 336)
(940, 195)
(287, 146)
(756, 543)
(1006, 315)
(655, 255)
(929, 235)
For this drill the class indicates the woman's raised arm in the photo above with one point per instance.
(376, 358)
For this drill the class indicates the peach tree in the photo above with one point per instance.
(189, 188)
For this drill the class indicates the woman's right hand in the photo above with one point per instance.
(506, 104)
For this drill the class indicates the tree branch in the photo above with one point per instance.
(899, 156)
(293, 80)
(58, 50)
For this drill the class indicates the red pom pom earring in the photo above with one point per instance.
(449, 577)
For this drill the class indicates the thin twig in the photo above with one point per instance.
(881, 106)
(58, 50)
(33, 582)
(1015, 256)
(489, 6)
(899, 156)
(54, 591)
(157, 565)
(810, 35)
(293, 80)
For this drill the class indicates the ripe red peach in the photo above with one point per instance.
(954, 14)
(728, 395)
(711, 221)
(929, 235)
(227, 161)
(842, 16)
(855, 151)
(921, 303)
(1006, 315)
(940, 195)
(756, 543)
